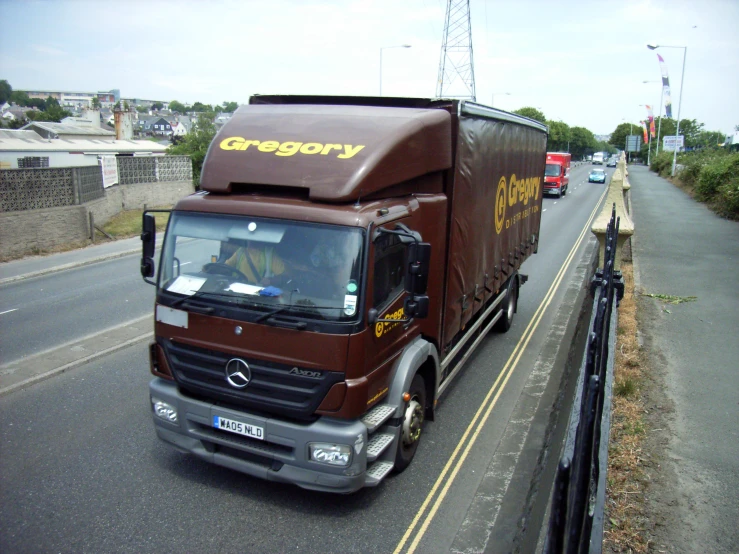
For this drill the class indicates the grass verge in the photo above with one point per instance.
(128, 223)
(124, 225)
(625, 508)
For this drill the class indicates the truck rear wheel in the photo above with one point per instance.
(509, 307)
(412, 424)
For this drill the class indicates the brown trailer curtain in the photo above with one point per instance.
(496, 200)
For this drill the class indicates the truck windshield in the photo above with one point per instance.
(551, 170)
(299, 269)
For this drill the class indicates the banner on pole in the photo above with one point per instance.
(650, 118)
(665, 87)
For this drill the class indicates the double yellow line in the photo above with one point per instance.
(483, 413)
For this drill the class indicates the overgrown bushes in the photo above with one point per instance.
(712, 176)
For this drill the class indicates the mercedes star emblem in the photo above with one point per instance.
(238, 373)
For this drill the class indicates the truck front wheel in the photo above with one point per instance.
(412, 424)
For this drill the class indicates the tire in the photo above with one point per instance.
(412, 424)
(564, 191)
(509, 308)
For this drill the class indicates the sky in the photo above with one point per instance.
(583, 62)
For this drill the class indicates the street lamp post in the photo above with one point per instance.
(385, 48)
(680, 99)
(492, 97)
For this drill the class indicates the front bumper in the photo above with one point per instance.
(283, 454)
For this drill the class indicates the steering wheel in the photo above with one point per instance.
(219, 268)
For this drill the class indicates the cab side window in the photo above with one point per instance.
(389, 266)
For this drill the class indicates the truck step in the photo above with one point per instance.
(377, 416)
(377, 473)
(377, 445)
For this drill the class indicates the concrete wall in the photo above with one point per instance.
(30, 231)
(133, 197)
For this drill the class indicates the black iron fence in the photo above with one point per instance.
(578, 501)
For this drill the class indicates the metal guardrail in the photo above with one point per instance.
(578, 501)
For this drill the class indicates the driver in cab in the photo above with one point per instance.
(258, 262)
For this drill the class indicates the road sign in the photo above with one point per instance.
(669, 143)
(633, 143)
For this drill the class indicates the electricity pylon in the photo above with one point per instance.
(456, 68)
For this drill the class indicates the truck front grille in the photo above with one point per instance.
(272, 388)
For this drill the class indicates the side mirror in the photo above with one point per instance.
(417, 276)
(416, 306)
(148, 240)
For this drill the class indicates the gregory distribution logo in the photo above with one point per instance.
(513, 192)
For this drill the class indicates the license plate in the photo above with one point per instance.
(238, 427)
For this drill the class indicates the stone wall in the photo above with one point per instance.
(30, 231)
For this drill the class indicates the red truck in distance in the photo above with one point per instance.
(557, 173)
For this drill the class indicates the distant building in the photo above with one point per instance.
(26, 148)
(153, 125)
(69, 131)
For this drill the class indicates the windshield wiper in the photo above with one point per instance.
(298, 307)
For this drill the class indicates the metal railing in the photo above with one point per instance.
(578, 500)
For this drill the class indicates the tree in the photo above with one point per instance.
(195, 144)
(157, 106)
(178, 107)
(19, 97)
(96, 102)
(5, 91)
(141, 109)
(200, 107)
(126, 105)
(582, 142)
(230, 107)
(533, 113)
(559, 136)
(706, 139)
(53, 112)
(39, 103)
(618, 136)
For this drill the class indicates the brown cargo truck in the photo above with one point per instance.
(343, 259)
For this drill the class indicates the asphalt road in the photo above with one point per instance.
(81, 468)
(45, 312)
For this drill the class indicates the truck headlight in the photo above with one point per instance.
(331, 454)
(163, 410)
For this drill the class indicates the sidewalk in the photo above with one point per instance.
(681, 248)
(41, 265)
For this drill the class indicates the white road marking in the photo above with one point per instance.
(555, 202)
(544, 210)
(185, 263)
(8, 311)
